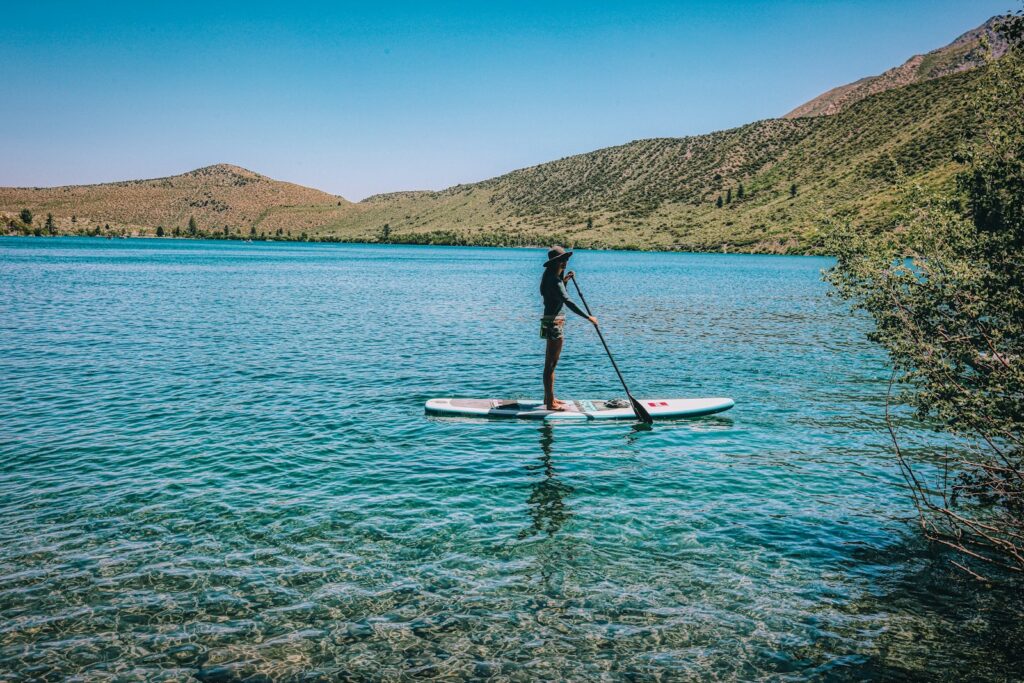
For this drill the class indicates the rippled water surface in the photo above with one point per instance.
(214, 463)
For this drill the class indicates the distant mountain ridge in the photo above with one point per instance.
(763, 187)
(963, 54)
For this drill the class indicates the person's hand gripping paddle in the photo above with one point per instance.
(640, 411)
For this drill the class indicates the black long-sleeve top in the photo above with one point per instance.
(552, 288)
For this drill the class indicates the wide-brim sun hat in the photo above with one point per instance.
(556, 254)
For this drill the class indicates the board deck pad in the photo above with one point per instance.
(663, 408)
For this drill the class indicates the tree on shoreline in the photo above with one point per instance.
(946, 293)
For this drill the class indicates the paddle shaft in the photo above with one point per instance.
(640, 411)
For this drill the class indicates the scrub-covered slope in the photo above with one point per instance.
(215, 196)
(776, 179)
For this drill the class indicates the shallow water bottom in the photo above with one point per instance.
(216, 465)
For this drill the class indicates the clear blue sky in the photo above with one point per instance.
(359, 98)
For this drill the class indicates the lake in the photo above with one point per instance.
(215, 463)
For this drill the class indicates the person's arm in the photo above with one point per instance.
(569, 303)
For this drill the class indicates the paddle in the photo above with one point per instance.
(640, 411)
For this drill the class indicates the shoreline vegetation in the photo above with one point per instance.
(946, 295)
(438, 239)
(25, 224)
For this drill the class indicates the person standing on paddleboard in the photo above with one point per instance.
(552, 324)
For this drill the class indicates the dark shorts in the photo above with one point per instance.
(552, 327)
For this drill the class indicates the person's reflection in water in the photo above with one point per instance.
(548, 511)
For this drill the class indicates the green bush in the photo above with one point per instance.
(946, 292)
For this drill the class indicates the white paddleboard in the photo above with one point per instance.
(662, 408)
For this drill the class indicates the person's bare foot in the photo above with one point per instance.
(556, 405)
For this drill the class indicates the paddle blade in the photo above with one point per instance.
(640, 411)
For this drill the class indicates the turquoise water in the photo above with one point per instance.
(214, 463)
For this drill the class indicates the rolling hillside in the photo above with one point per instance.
(663, 193)
(216, 196)
(776, 180)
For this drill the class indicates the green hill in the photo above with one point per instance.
(215, 196)
(662, 193)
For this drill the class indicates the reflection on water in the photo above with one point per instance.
(548, 507)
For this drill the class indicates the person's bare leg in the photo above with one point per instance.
(554, 351)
